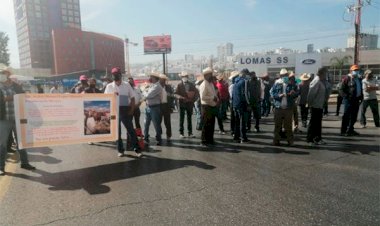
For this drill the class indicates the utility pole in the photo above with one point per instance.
(357, 31)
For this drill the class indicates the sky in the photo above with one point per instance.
(197, 27)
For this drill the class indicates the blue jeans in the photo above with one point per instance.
(351, 108)
(126, 120)
(241, 118)
(153, 114)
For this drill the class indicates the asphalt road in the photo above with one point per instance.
(185, 184)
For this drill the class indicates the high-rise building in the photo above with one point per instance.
(75, 50)
(35, 20)
(310, 48)
(224, 51)
(229, 49)
(367, 41)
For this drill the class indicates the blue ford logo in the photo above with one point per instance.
(309, 61)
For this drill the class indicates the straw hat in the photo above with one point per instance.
(207, 71)
(183, 74)
(154, 74)
(163, 76)
(305, 77)
(233, 74)
(283, 71)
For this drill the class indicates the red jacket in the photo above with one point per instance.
(223, 90)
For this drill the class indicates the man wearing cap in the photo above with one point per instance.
(265, 104)
(304, 91)
(240, 103)
(255, 94)
(8, 88)
(351, 91)
(126, 100)
(167, 105)
(370, 99)
(81, 86)
(209, 99)
(284, 95)
(317, 96)
(187, 94)
(152, 96)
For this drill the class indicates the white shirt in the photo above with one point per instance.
(124, 90)
(164, 96)
(208, 93)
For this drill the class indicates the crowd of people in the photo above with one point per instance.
(248, 97)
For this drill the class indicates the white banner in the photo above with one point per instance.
(59, 119)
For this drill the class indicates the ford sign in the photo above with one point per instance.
(309, 61)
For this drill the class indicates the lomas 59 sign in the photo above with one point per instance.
(264, 60)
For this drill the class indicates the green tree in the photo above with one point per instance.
(4, 55)
(338, 63)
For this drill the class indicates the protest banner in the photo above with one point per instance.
(60, 119)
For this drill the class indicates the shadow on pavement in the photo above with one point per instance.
(92, 179)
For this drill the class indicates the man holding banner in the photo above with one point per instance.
(8, 89)
(126, 102)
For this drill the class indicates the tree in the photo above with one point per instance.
(338, 63)
(4, 55)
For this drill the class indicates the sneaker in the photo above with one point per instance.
(2, 172)
(257, 130)
(191, 135)
(27, 166)
(320, 142)
(137, 152)
(181, 136)
(353, 133)
(244, 141)
(363, 126)
(168, 140)
(222, 132)
(120, 154)
(311, 144)
(203, 145)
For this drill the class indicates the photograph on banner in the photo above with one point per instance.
(60, 119)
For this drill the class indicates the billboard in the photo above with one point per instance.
(157, 44)
(59, 119)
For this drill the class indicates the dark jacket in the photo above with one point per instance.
(255, 91)
(170, 92)
(181, 90)
(348, 89)
(2, 106)
(241, 94)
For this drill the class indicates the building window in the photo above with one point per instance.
(71, 19)
(64, 12)
(76, 13)
(77, 19)
(71, 13)
(64, 18)
(70, 6)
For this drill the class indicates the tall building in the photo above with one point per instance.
(367, 41)
(35, 20)
(310, 48)
(224, 51)
(75, 50)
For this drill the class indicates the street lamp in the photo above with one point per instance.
(127, 64)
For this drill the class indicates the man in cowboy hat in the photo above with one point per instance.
(126, 97)
(304, 91)
(153, 96)
(352, 93)
(209, 99)
(284, 95)
(167, 105)
(8, 89)
(187, 95)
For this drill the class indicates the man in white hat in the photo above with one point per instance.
(187, 95)
(167, 105)
(153, 97)
(209, 99)
(284, 95)
(304, 91)
(8, 89)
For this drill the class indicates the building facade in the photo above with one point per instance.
(35, 20)
(76, 50)
(308, 63)
(367, 41)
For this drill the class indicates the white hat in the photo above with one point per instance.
(154, 74)
(183, 74)
(4, 68)
(233, 74)
(207, 70)
(283, 71)
(305, 77)
(163, 76)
